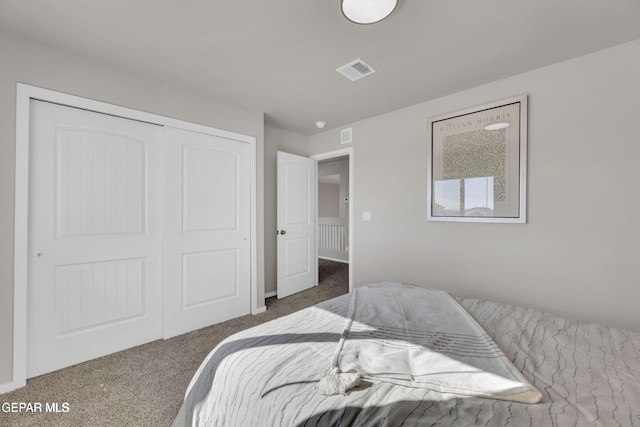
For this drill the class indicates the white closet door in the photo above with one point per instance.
(207, 230)
(95, 236)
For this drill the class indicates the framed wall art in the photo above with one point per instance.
(477, 164)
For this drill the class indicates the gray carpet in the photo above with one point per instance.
(145, 385)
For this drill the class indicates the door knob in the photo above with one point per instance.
(283, 232)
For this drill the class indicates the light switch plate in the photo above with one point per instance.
(366, 216)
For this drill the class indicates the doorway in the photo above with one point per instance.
(333, 210)
(335, 237)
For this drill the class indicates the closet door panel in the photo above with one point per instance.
(95, 235)
(207, 230)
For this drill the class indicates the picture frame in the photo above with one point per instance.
(477, 164)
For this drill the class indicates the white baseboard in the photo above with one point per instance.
(259, 310)
(270, 294)
(11, 386)
(334, 259)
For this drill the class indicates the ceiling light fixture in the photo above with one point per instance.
(496, 126)
(320, 125)
(367, 11)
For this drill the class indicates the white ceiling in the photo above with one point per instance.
(280, 56)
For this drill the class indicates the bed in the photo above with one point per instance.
(586, 375)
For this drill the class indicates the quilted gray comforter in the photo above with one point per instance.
(588, 374)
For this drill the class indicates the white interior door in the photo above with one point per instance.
(296, 224)
(95, 236)
(207, 230)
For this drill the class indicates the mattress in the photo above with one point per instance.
(587, 374)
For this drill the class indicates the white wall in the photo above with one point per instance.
(39, 65)
(579, 253)
(275, 140)
(328, 200)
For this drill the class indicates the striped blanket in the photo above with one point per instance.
(418, 337)
(588, 375)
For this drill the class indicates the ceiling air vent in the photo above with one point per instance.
(356, 70)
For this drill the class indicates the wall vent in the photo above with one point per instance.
(346, 136)
(356, 70)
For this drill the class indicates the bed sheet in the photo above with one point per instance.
(588, 374)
